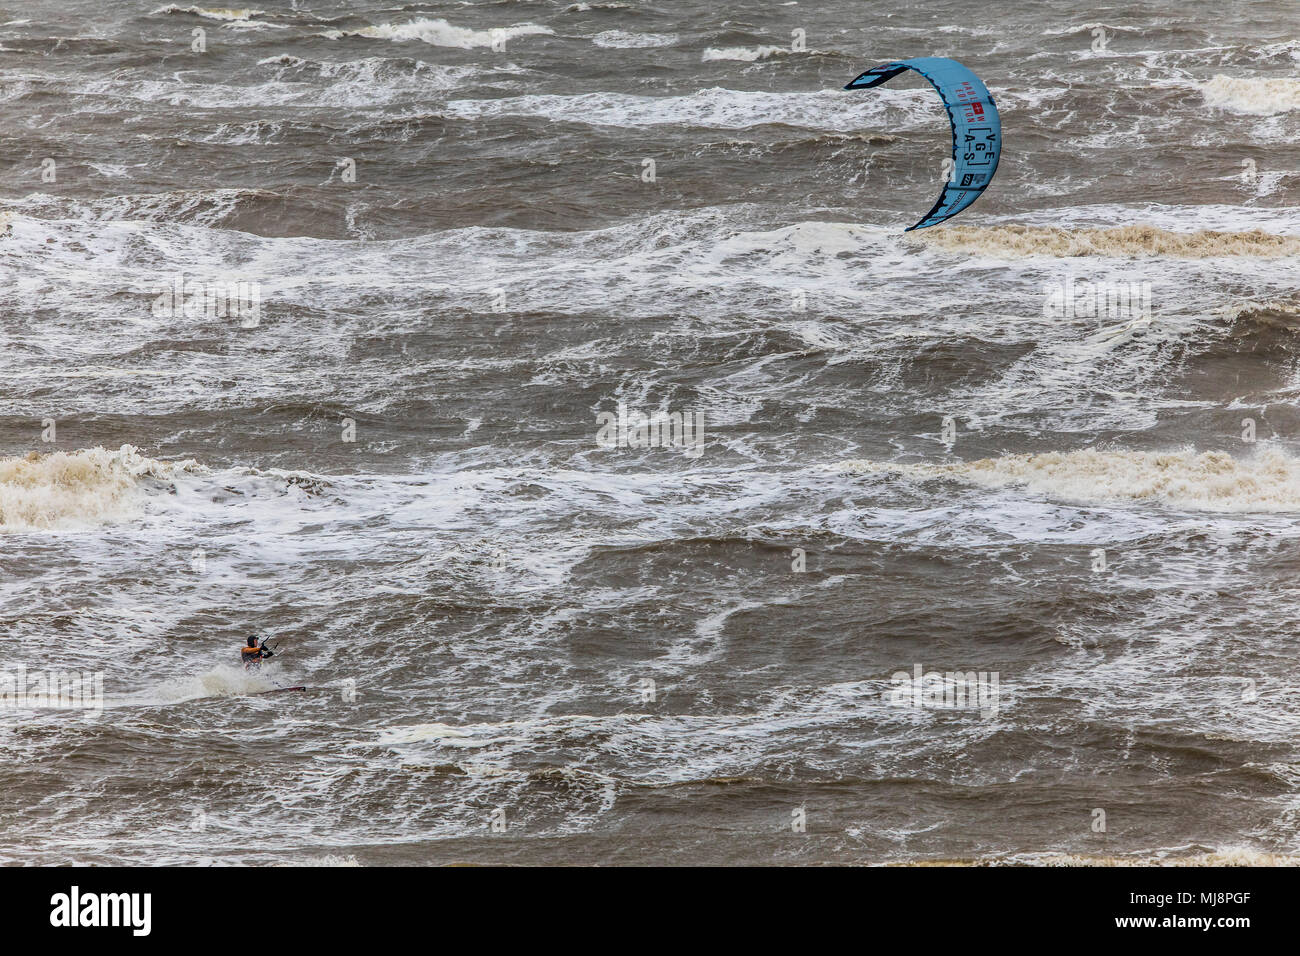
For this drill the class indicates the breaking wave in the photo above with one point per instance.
(213, 13)
(1268, 481)
(1262, 97)
(743, 54)
(441, 33)
(622, 40)
(78, 489)
(1122, 241)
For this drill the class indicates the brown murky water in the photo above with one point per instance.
(967, 449)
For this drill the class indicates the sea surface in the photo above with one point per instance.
(445, 244)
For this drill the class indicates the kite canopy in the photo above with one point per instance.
(976, 128)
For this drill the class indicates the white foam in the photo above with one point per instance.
(441, 33)
(224, 680)
(1266, 481)
(66, 490)
(1254, 95)
(372, 81)
(622, 40)
(212, 13)
(743, 54)
(717, 108)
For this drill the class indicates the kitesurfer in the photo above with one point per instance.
(254, 652)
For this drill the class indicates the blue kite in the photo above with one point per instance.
(976, 128)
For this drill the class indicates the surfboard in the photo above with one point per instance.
(277, 690)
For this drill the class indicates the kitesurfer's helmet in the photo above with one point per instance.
(252, 640)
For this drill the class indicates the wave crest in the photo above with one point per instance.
(1256, 95)
(62, 490)
(1122, 241)
(441, 33)
(212, 13)
(1268, 481)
